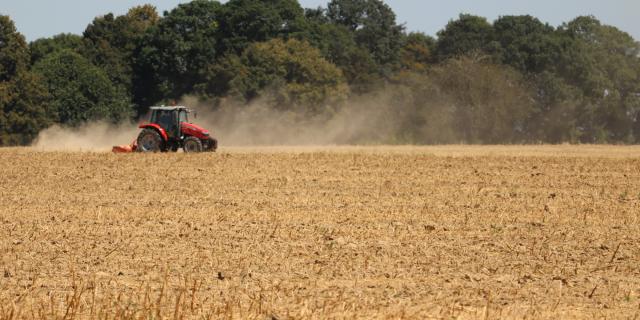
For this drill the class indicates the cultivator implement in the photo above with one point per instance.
(126, 148)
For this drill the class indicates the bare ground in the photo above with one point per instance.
(322, 232)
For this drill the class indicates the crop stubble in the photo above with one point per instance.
(495, 232)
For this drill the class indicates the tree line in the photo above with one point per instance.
(513, 80)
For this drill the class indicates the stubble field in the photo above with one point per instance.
(322, 232)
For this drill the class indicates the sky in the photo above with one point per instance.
(45, 18)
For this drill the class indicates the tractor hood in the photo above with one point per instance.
(194, 130)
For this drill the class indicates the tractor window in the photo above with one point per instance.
(183, 117)
(164, 119)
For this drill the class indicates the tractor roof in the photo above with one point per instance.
(169, 108)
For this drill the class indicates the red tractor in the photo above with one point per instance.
(169, 129)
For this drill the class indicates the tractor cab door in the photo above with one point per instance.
(182, 118)
(168, 120)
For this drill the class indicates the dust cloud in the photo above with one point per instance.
(361, 121)
(365, 120)
(95, 136)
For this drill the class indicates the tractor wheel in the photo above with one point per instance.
(210, 145)
(149, 140)
(192, 144)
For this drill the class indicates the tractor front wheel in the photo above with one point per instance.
(210, 145)
(149, 140)
(192, 144)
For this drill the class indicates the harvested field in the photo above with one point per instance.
(322, 232)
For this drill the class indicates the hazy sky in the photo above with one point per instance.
(44, 18)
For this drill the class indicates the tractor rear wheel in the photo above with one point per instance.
(192, 144)
(149, 140)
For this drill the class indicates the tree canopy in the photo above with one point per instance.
(110, 42)
(243, 22)
(46, 46)
(373, 24)
(23, 98)
(80, 91)
(173, 54)
(464, 36)
(291, 74)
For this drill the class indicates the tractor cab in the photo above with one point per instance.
(169, 129)
(169, 119)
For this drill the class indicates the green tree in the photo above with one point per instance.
(374, 25)
(526, 43)
(338, 46)
(175, 53)
(45, 46)
(290, 75)
(603, 62)
(416, 52)
(23, 98)
(111, 42)
(243, 22)
(464, 36)
(81, 91)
